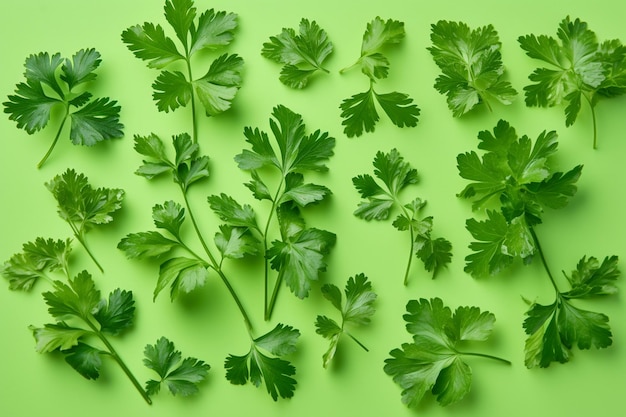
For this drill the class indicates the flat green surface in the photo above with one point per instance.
(206, 324)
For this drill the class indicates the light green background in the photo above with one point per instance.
(206, 324)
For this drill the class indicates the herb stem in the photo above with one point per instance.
(483, 355)
(268, 308)
(543, 258)
(119, 361)
(216, 265)
(412, 246)
(594, 121)
(357, 341)
(81, 239)
(56, 138)
(194, 121)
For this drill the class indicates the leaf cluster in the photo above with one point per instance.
(579, 68)
(380, 200)
(47, 87)
(301, 54)
(180, 273)
(553, 330)
(211, 30)
(471, 66)
(181, 376)
(357, 310)
(36, 260)
(264, 363)
(359, 111)
(299, 254)
(517, 174)
(82, 313)
(433, 362)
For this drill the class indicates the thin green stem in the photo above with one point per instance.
(543, 258)
(56, 138)
(194, 121)
(119, 361)
(593, 120)
(412, 235)
(79, 236)
(357, 341)
(483, 355)
(216, 265)
(268, 308)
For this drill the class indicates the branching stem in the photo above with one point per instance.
(56, 138)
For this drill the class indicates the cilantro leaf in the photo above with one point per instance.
(300, 193)
(300, 257)
(214, 29)
(83, 206)
(580, 68)
(182, 274)
(380, 199)
(471, 65)
(95, 122)
(188, 166)
(433, 362)
(235, 242)
(553, 330)
(25, 268)
(208, 30)
(357, 310)
(232, 212)
(218, 87)
(517, 172)
(378, 35)
(298, 152)
(116, 314)
(149, 42)
(31, 105)
(79, 299)
(302, 54)
(181, 376)
(56, 336)
(85, 359)
(258, 367)
(359, 111)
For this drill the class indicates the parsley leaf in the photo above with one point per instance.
(188, 166)
(116, 314)
(378, 35)
(299, 254)
(24, 269)
(31, 105)
(553, 330)
(257, 367)
(302, 54)
(83, 206)
(580, 68)
(357, 310)
(471, 65)
(516, 172)
(210, 30)
(359, 111)
(380, 200)
(433, 362)
(181, 376)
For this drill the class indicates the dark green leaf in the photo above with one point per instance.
(117, 314)
(149, 42)
(97, 121)
(85, 359)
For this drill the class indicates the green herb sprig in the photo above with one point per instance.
(379, 202)
(516, 173)
(581, 68)
(359, 111)
(93, 121)
(210, 31)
